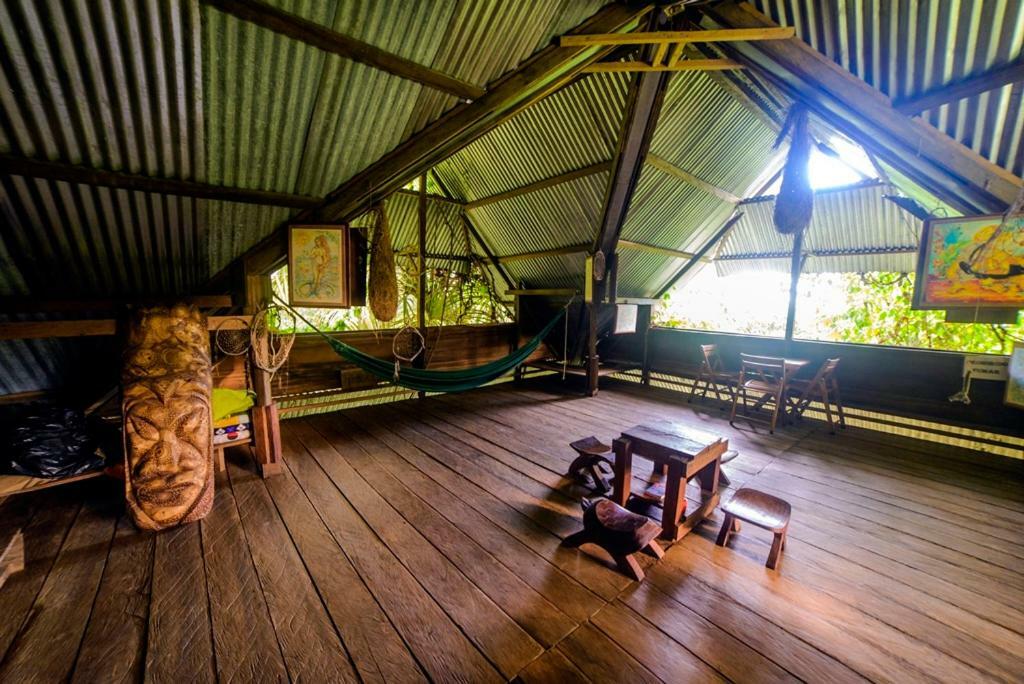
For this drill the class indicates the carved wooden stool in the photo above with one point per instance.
(590, 461)
(761, 510)
(619, 532)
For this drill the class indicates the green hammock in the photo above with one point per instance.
(423, 380)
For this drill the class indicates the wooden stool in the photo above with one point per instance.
(590, 461)
(761, 510)
(723, 479)
(619, 532)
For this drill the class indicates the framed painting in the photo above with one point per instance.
(1015, 378)
(318, 273)
(970, 262)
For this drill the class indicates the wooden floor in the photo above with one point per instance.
(420, 541)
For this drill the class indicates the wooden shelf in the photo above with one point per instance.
(603, 370)
(19, 484)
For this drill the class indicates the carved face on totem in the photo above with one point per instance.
(167, 420)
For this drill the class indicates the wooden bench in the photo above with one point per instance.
(620, 532)
(761, 510)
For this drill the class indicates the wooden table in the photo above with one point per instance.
(683, 453)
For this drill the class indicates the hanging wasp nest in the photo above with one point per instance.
(795, 202)
(382, 288)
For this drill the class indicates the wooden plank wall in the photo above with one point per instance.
(912, 383)
(314, 367)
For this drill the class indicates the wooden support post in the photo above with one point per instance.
(266, 428)
(421, 268)
(646, 313)
(797, 265)
(593, 296)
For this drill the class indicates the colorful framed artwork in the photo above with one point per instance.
(970, 262)
(318, 266)
(1015, 380)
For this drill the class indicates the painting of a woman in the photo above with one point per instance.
(316, 259)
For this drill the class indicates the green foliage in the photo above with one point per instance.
(453, 298)
(871, 308)
(879, 313)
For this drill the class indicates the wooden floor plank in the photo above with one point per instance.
(114, 646)
(440, 647)
(372, 641)
(245, 643)
(504, 642)
(725, 653)
(312, 648)
(538, 571)
(601, 659)
(534, 613)
(552, 668)
(600, 579)
(179, 638)
(45, 518)
(46, 648)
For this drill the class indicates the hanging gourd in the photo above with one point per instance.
(795, 202)
(383, 285)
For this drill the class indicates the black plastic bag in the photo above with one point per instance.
(49, 441)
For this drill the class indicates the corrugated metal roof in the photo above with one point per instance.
(846, 223)
(905, 48)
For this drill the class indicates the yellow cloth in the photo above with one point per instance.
(229, 402)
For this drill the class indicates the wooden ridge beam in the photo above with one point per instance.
(671, 169)
(680, 65)
(71, 173)
(964, 88)
(552, 181)
(323, 38)
(669, 37)
(93, 327)
(941, 165)
(542, 74)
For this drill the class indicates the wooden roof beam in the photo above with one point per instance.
(679, 65)
(643, 104)
(566, 177)
(542, 74)
(671, 37)
(941, 165)
(323, 38)
(671, 169)
(38, 168)
(958, 90)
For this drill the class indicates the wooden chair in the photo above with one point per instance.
(713, 375)
(765, 376)
(620, 532)
(591, 461)
(823, 387)
(761, 510)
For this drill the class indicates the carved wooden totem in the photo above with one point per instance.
(168, 437)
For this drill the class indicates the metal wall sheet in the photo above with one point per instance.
(846, 219)
(907, 47)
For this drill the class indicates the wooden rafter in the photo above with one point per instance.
(672, 37)
(582, 248)
(672, 170)
(701, 253)
(93, 327)
(958, 90)
(542, 74)
(679, 65)
(941, 165)
(37, 168)
(325, 39)
(643, 104)
(552, 181)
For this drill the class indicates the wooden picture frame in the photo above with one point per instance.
(1015, 378)
(946, 243)
(319, 266)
